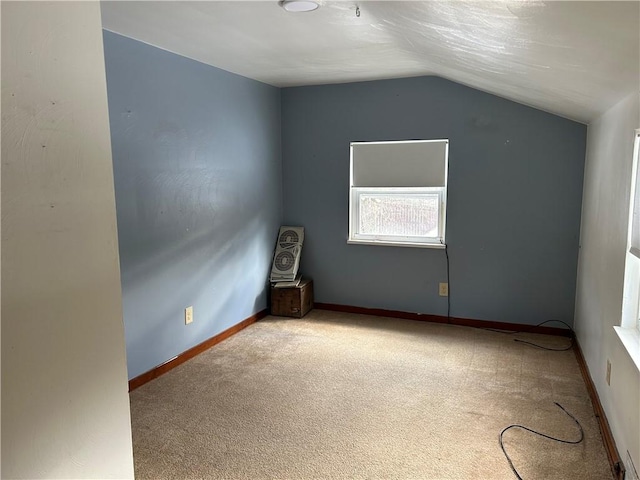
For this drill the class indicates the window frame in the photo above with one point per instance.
(354, 237)
(629, 329)
(631, 296)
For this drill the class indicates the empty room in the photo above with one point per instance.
(310, 239)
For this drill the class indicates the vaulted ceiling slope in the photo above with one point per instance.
(574, 59)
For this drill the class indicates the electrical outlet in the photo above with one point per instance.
(188, 315)
(608, 372)
(443, 290)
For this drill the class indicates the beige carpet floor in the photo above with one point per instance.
(340, 396)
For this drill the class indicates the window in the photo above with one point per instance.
(629, 330)
(634, 227)
(631, 304)
(398, 193)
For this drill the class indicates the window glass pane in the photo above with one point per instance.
(399, 214)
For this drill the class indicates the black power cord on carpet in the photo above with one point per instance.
(572, 333)
(572, 442)
(568, 347)
(526, 330)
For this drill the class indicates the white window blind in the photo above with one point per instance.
(635, 191)
(399, 164)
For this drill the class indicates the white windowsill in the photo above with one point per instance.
(386, 243)
(630, 338)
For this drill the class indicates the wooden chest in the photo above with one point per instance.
(292, 302)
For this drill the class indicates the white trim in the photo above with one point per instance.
(630, 338)
(632, 193)
(386, 243)
(630, 292)
(445, 195)
(388, 142)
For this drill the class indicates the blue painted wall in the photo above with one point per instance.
(198, 177)
(515, 193)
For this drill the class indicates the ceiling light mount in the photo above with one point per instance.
(299, 5)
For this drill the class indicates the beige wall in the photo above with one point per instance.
(605, 216)
(65, 408)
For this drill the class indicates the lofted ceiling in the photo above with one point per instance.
(574, 59)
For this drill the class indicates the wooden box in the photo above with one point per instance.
(294, 301)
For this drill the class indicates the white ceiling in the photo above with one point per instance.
(571, 58)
